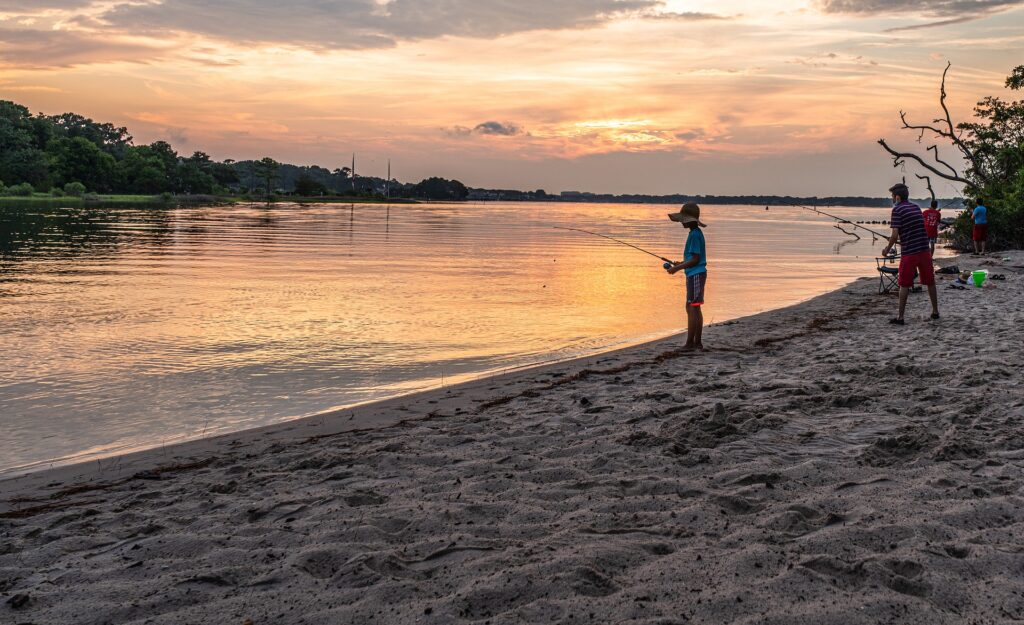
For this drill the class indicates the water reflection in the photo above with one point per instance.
(129, 328)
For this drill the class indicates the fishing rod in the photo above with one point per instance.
(668, 262)
(839, 219)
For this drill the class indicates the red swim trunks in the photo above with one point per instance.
(980, 232)
(922, 262)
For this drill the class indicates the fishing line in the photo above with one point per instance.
(605, 236)
(839, 219)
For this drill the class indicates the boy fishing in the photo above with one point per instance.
(695, 265)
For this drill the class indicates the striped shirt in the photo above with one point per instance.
(907, 218)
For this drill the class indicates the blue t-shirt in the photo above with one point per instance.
(695, 245)
(981, 215)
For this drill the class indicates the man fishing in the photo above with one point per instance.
(695, 265)
(932, 218)
(980, 234)
(908, 229)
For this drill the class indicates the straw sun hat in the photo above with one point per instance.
(689, 213)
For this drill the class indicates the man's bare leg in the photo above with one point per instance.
(933, 294)
(904, 294)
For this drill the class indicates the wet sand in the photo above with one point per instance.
(818, 466)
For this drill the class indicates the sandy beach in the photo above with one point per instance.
(817, 466)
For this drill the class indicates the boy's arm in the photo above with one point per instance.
(693, 262)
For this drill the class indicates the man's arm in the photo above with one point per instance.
(893, 238)
(676, 268)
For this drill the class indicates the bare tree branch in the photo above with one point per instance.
(923, 127)
(928, 180)
(899, 157)
(952, 135)
(942, 99)
(852, 234)
(935, 152)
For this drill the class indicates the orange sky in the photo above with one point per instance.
(730, 96)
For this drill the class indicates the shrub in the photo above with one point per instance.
(21, 190)
(74, 189)
(56, 192)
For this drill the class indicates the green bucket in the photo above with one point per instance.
(979, 277)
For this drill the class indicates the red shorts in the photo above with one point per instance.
(922, 262)
(980, 232)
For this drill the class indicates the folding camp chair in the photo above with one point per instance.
(888, 274)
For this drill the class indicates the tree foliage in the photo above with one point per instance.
(80, 160)
(69, 152)
(266, 171)
(991, 148)
(21, 139)
(307, 186)
(440, 189)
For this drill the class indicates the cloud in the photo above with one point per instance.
(41, 49)
(20, 6)
(177, 136)
(359, 24)
(952, 10)
(498, 128)
(685, 16)
(492, 128)
(691, 135)
(33, 88)
(945, 12)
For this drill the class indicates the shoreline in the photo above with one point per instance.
(368, 416)
(384, 403)
(817, 465)
(365, 416)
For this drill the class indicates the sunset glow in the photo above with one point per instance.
(609, 96)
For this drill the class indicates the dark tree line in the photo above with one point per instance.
(72, 153)
(54, 151)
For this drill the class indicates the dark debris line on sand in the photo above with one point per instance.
(820, 467)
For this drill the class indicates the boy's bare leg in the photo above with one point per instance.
(976, 250)
(690, 329)
(933, 294)
(904, 293)
(698, 317)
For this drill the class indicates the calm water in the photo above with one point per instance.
(125, 329)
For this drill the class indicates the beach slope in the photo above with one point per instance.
(818, 466)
